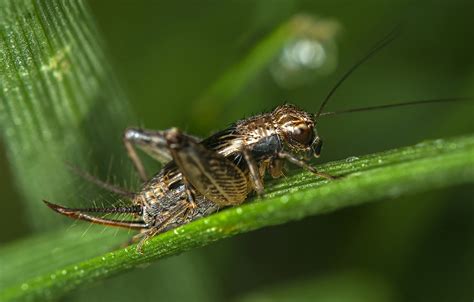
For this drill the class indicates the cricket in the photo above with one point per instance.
(201, 176)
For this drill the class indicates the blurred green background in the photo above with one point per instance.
(416, 248)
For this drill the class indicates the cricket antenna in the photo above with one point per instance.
(376, 48)
(402, 104)
(81, 214)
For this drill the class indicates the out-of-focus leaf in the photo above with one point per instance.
(58, 100)
(216, 99)
(346, 286)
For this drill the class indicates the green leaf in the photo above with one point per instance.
(426, 166)
(58, 99)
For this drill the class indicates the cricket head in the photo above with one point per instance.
(297, 129)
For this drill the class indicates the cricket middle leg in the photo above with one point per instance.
(254, 172)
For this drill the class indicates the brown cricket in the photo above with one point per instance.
(200, 177)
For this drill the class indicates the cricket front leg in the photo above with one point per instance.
(150, 141)
(300, 163)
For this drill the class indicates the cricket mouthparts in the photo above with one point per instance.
(81, 214)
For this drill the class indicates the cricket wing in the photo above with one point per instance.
(210, 173)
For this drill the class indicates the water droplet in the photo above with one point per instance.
(103, 259)
(64, 272)
(24, 286)
(439, 143)
(76, 267)
(211, 230)
(421, 144)
(380, 161)
(239, 211)
(175, 231)
(351, 159)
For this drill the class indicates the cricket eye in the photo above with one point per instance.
(302, 134)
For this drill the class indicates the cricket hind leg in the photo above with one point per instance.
(152, 142)
(302, 164)
(155, 144)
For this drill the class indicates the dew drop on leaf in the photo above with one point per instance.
(352, 159)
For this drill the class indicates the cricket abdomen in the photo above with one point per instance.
(164, 194)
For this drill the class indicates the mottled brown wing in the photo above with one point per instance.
(210, 173)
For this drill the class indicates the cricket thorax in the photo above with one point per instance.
(285, 126)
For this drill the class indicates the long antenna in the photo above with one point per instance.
(378, 46)
(402, 104)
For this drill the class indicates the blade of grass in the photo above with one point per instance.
(43, 253)
(426, 166)
(58, 99)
